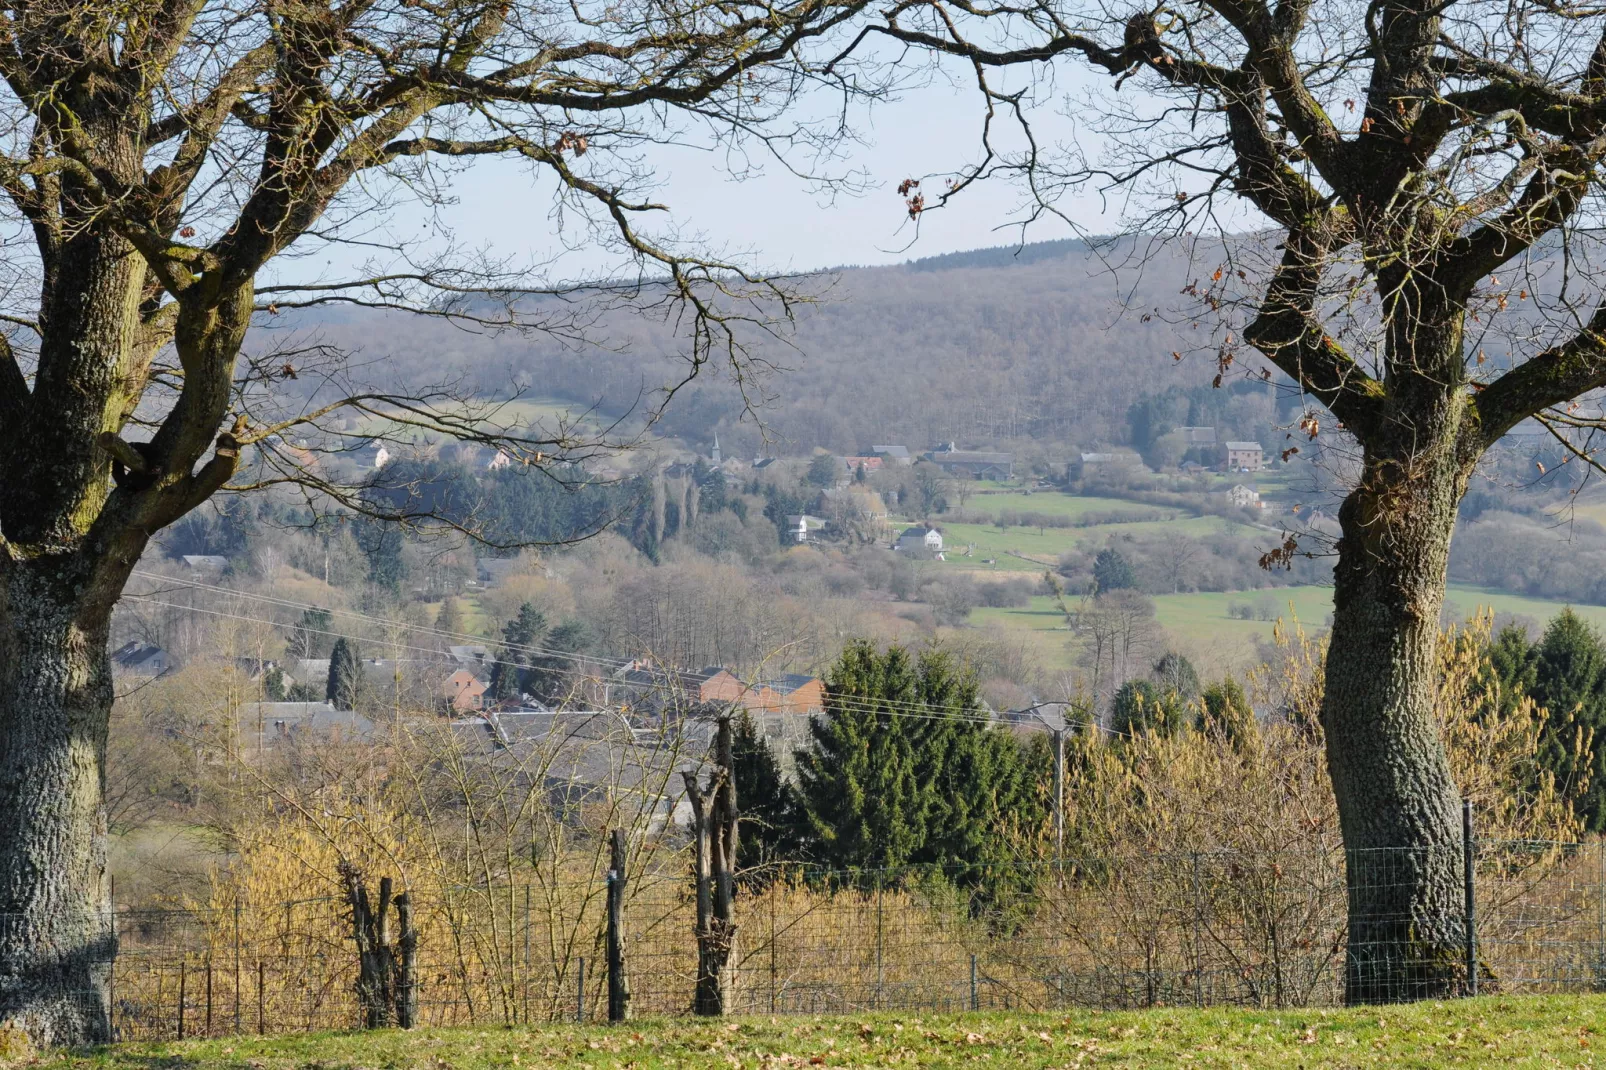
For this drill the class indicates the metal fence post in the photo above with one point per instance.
(879, 972)
(1198, 948)
(975, 993)
(1600, 915)
(236, 964)
(1471, 917)
(580, 992)
(182, 977)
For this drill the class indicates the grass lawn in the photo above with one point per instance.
(1053, 503)
(1539, 1031)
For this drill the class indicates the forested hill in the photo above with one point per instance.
(1045, 343)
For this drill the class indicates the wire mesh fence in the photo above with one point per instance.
(1264, 929)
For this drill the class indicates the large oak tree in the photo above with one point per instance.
(156, 157)
(1412, 156)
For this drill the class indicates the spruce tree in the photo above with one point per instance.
(1569, 680)
(345, 675)
(1225, 708)
(1141, 706)
(904, 767)
(1174, 672)
(856, 777)
(770, 820)
(1112, 572)
(550, 674)
(449, 619)
(514, 658)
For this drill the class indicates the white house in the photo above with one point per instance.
(374, 455)
(1244, 497)
(924, 541)
(805, 528)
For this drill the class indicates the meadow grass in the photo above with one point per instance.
(1204, 617)
(1526, 1031)
(1054, 503)
(1021, 548)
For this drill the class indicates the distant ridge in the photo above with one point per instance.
(1002, 255)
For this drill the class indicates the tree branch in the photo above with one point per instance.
(1554, 376)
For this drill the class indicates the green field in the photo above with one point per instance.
(1027, 549)
(1053, 503)
(1203, 617)
(1533, 1031)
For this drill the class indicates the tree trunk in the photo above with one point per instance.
(1397, 802)
(56, 934)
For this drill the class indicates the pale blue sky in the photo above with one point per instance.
(780, 223)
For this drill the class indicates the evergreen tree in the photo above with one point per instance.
(311, 634)
(1175, 672)
(450, 618)
(274, 686)
(1225, 708)
(771, 824)
(345, 676)
(550, 675)
(1112, 572)
(514, 658)
(822, 470)
(904, 767)
(856, 778)
(1141, 706)
(1569, 680)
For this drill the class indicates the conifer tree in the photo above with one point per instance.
(1569, 680)
(905, 767)
(450, 618)
(771, 829)
(1112, 572)
(856, 778)
(345, 675)
(1174, 672)
(1565, 673)
(514, 658)
(1225, 708)
(550, 674)
(1140, 706)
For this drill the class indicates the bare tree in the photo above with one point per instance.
(1428, 174)
(160, 155)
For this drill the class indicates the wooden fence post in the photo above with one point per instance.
(618, 980)
(714, 829)
(386, 968)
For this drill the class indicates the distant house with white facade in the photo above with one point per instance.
(1244, 497)
(805, 528)
(1245, 457)
(375, 455)
(921, 541)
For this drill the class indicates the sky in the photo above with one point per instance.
(776, 223)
